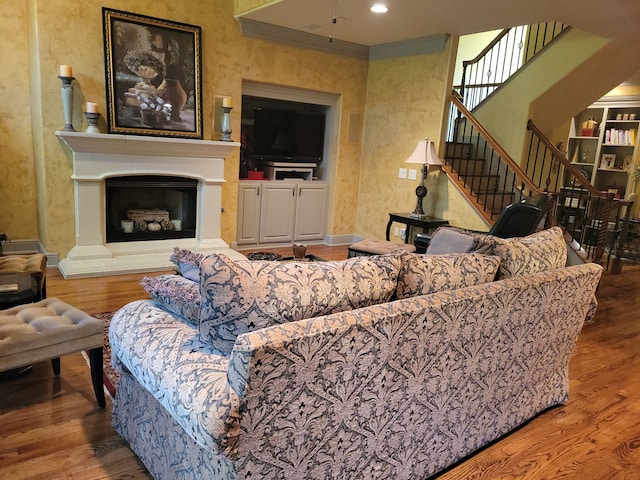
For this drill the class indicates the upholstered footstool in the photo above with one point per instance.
(378, 247)
(46, 330)
(34, 265)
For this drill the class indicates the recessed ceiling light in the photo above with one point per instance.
(379, 8)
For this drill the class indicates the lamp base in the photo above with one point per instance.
(420, 216)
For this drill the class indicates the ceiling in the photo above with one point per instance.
(408, 19)
(356, 26)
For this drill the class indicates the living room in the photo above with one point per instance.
(399, 99)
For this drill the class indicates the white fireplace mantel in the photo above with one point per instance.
(97, 157)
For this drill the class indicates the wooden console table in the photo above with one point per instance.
(426, 223)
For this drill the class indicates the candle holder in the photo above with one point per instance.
(92, 120)
(226, 124)
(67, 102)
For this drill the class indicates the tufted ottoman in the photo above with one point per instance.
(34, 265)
(46, 330)
(378, 247)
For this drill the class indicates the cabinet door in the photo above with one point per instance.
(249, 197)
(277, 212)
(310, 211)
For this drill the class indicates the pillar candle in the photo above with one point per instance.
(226, 102)
(66, 71)
(91, 107)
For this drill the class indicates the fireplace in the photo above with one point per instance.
(185, 178)
(150, 207)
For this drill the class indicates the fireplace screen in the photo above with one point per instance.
(150, 207)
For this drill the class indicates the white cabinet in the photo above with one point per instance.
(249, 197)
(311, 210)
(281, 211)
(277, 212)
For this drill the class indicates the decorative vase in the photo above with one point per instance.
(150, 119)
(172, 92)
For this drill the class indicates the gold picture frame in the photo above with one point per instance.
(153, 75)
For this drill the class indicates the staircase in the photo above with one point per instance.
(490, 179)
(479, 166)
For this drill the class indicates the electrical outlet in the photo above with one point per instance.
(396, 231)
(402, 173)
(403, 232)
(413, 174)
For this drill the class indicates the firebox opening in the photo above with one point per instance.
(150, 207)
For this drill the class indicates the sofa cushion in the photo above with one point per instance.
(176, 294)
(242, 296)
(424, 274)
(540, 251)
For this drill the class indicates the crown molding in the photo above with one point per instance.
(407, 48)
(296, 38)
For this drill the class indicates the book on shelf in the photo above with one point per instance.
(614, 136)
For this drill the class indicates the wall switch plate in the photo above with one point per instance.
(403, 232)
(402, 173)
(413, 174)
(396, 231)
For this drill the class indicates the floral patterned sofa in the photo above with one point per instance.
(392, 366)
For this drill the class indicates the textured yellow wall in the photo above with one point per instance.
(18, 208)
(65, 32)
(244, 6)
(405, 102)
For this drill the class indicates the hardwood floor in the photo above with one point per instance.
(51, 427)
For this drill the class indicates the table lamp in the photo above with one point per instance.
(425, 155)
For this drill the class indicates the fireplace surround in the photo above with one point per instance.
(98, 157)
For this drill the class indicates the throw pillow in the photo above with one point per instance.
(175, 294)
(424, 274)
(451, 240)
(187, 263)
(243, 296)
(540, 251)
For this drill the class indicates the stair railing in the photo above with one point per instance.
(596, 220)
(503, 57)
(480, 167)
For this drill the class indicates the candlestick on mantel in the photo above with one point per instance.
(91, 107)
(92, 120)
(226, 124)
(226, 102)
(67, 97)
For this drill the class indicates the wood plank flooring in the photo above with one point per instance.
(51, 427)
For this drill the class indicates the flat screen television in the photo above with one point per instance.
(288, 135)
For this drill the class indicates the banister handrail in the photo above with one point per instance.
(486, 49)
(560, 156)
(524, 178)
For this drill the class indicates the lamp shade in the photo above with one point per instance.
(424, 154)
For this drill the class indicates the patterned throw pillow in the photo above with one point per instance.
(187, 263)
(175, 294)
(424, 274)
(540, 251)
(242, 296)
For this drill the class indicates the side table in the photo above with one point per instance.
(426, 223)
(16, 289)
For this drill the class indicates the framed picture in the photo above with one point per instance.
(627, 162)
(608, 160)
(153, 75)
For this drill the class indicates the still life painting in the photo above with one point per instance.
(152, 69)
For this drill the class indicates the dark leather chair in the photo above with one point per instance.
(516, 220)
